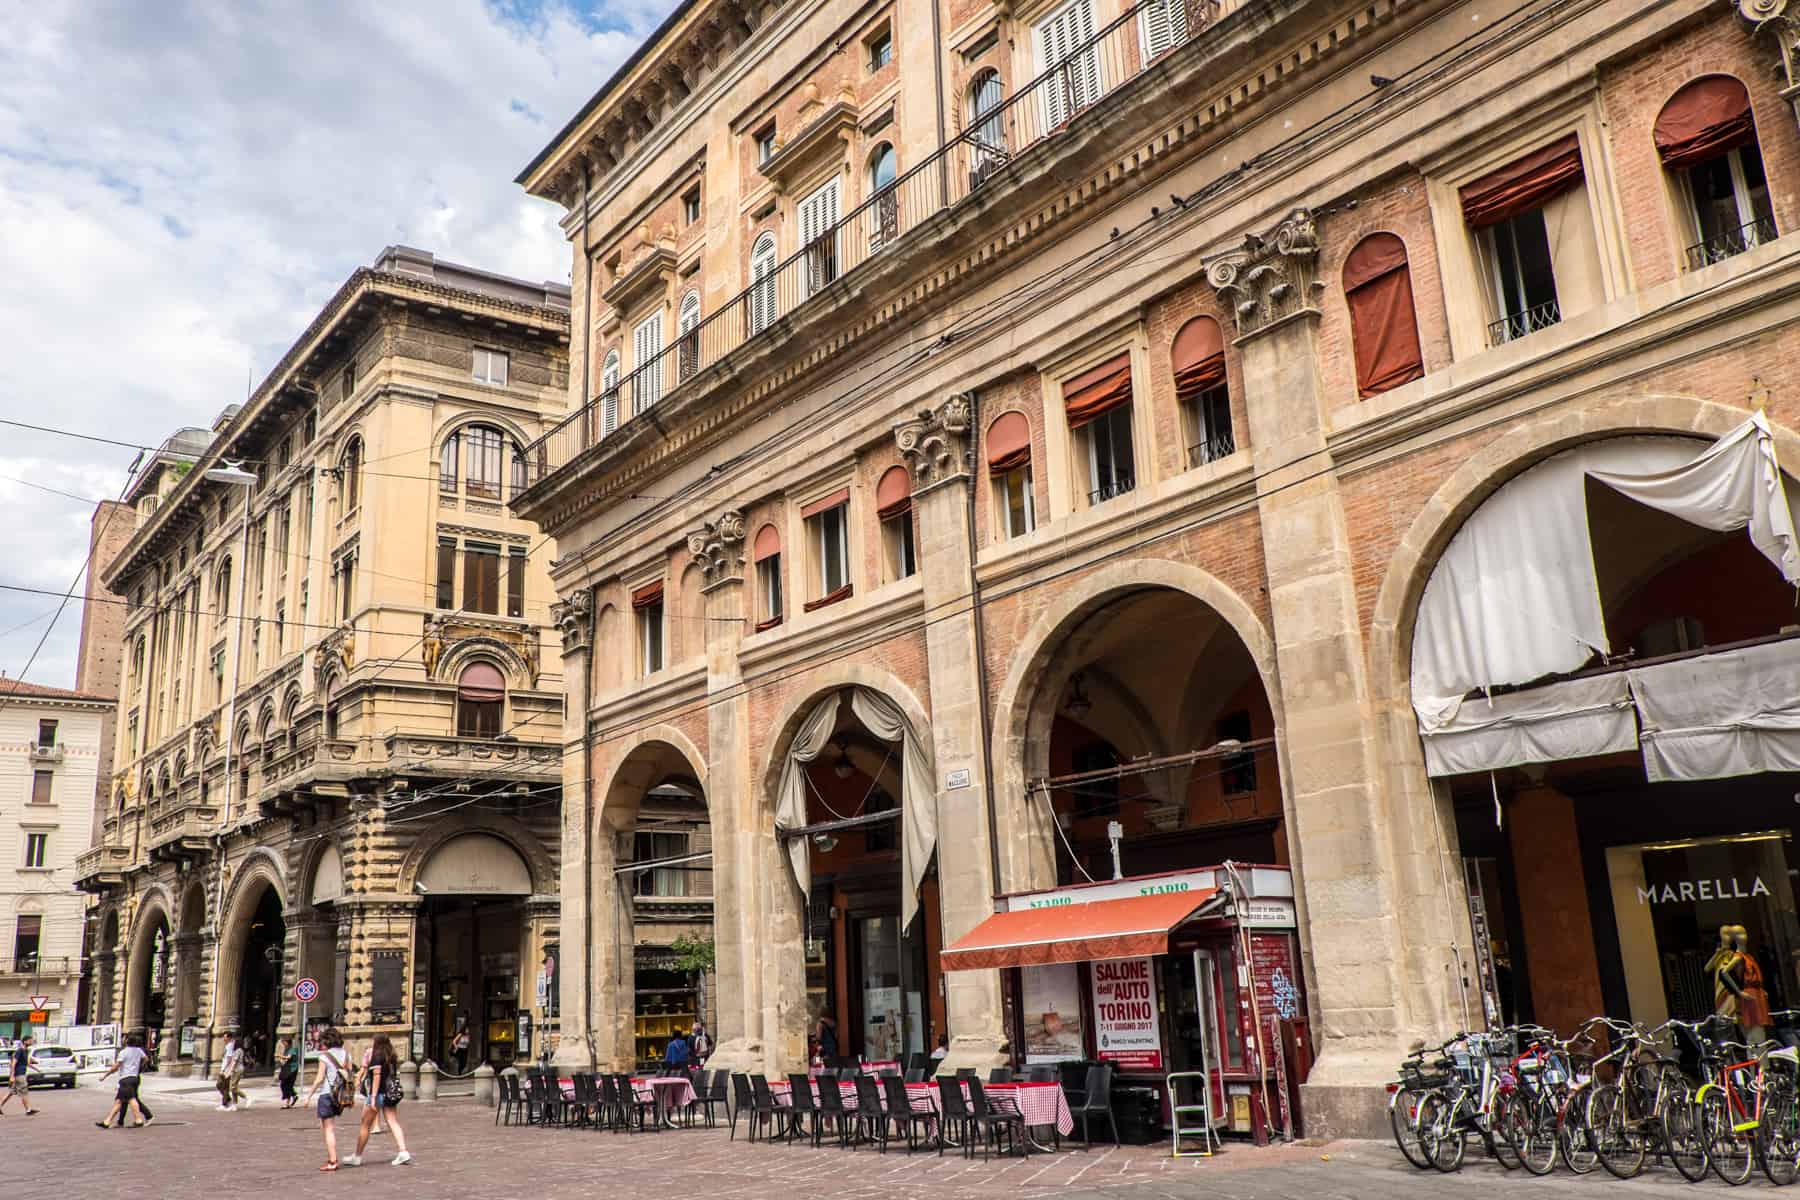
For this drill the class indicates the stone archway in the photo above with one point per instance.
(257, 896)
(145, 958)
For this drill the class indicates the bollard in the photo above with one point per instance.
(428, 1081)
(486, 1091)
(409, 1080)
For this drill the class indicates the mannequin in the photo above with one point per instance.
(1753, 997)
(1720, 967)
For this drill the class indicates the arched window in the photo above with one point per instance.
(350, 475)
(1706, 137)
(985, 94)
(687, 331)
(1384, 330)
(1009, 466)
(884, 165)
(473, 456)
(893, 507)
(609, 393)
(884, 168)
(762, 283)
(767, 553)
(1198, 359)
(480, 695)
(222, 591)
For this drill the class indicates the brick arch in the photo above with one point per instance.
(454, 825)
(812, 687)
(665, 735)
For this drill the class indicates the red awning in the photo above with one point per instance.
(1033, 937)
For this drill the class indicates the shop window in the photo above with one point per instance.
(1706, 137)
(1098, 406)
(1509, 212)
(1237, 772)
(1384, 328)
(480, 697)
(893, 497)
(481, 578)
(767, 554)
(660, 881)
(27, 934)
(647, 607)
(828, 531)
(1198, 359)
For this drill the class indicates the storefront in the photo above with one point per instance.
(667, 1001)
(1157, 975)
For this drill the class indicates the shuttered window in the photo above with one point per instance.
(646, 344)
(609, 394)
(446, 573)
(818, 218)
(762, 279)
(481, 578)
(1057, 38)
(1163, 26)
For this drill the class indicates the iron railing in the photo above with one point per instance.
(1115, 56)
(1721, 246)
(1212, 448)
(40, 964)
(1118, 485)
(1513, 326)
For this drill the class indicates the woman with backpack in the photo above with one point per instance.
(380, 1088)
(334, 1077)
(287, 1070)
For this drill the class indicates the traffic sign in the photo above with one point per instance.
(306, 991)
(39, 1018)
(39, 1001)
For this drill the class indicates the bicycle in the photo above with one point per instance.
(1448, 1114)
(1749, 1110)
(1683, 1132)
(1404, 1095)
(1624, 1117)
(1530, 1097)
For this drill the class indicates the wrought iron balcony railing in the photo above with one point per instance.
(1513, 326)
(1112, 59)
(1212, 449)
(1117, 486)
(1721, 246)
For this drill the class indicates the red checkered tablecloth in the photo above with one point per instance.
(1041, 1104)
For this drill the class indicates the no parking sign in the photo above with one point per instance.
(306, 991)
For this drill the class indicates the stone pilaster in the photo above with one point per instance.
(1364, 913)
(542, 928)
(937, 447)
(105, 1007)
(574, 617)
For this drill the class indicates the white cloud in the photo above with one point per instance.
(182, 185)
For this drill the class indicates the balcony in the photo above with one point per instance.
(101, 868)
(181, 835)
(991, 150)
(1730, 242)
(41, 966)
(1514, 326)
(42, 755)
(495, 758)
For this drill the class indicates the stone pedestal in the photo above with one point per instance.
(485, 1090)
(409, 1079)
(428, 1081)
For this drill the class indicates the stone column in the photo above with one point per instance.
(184, 987)
(1374, 917)
(574, 617)
(937, 447)
(1551, 885)
(541, 929)
(106, 965)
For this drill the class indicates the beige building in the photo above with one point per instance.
(50, 742)
(997, 425)
(339, 732)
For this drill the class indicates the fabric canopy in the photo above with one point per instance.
(481, 681)
(650, 593)
(1575, 718)
(1129, 927)
(1703, 120)
(1523, 184)
(1098, 390)
(1384, 327)
(1720, 715)
(1008, 442)
(826, 503)
(790, 792)
(1198, 357)
(893, 494)
(767, 545)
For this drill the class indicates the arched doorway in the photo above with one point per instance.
(473, 887)
(147, 972)
(251, 951)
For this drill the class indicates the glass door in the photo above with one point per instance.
(1207, 994)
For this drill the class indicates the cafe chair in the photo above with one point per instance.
(510, 1108)
(967, 1073)
(915, 1075)
(640, 1111)
(764, 1111)
(743, 1100)
(801, 1106)
(994, 1117)
(954, 1116)
(833, 1111)
(612, 1112)
(1041, 1074)
(1000, 1075)
(871, 1120)
(916, 1125)
(713, 1096)
(1096, 1102)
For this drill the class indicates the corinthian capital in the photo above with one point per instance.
(1272, 276)
(574, 617)
(1777, 21)
(718, 546)
(935, 444)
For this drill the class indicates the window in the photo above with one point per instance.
(36, 848)
(766, 551)
(1506, 210)
(1057, 39)
(646, 372)
(520, 477)
(609, 393)
(1384, 330)
(1706, 137)
(1009, 469)
(1237, 772)
(660, 881)
(687, 330)
(1198, 359)
(765, 143)
(828, 526)
(762, 283)
(218, 677)
(446, 573)
(818, 237)
(482, 456)
(40, 786)
(221, 609)
(881, 49)
(647, 605)
(450, 464)
(1162, 26)
(280, 625)
(884, 167)
(491, 366)
(480, 696)
(1098, 405)
(1012, 493)
(346, 586)
(46, 735)
(986, 130)
(347, 381)
(350, 475)
(690, 207)
(26, 935)
(515, 582)
(1110, 471)
(481, 578)
(893, 499)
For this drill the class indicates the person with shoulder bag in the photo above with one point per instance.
(334, 1077)
(380, 1086)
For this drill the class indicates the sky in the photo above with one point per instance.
(182, 187)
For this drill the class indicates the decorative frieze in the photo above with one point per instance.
(1272, 276)
(718, 546)
(935, 444)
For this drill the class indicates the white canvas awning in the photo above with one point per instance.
(1575, 718)
(1720, 715)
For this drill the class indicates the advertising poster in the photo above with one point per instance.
(1126, 1030)
(1051, 997)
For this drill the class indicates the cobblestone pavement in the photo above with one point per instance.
(194, 1150)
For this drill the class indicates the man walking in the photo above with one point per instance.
(231, 1069)
(21, 1076)
(129, 1065)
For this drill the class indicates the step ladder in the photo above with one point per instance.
(1182, 1117)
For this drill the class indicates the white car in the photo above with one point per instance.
(54, 1065)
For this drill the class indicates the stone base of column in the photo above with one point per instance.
(741, 1056)
(572, 1055)
(1345, 1095)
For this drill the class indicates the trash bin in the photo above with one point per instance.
(1138, 1110)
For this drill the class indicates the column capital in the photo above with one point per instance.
(1779, 22)
(718, 546)
(935, 443)
(1271, 277)
(574, 617)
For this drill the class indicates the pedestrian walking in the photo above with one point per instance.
(130, 1068)
(380, 1117)
(334, 1077)
(287, 1070)
(459, 1046)
(231, 1069)
(701, 1042)
(20, 1087)
(379, 1086)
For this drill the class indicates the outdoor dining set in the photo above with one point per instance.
(848, 1107)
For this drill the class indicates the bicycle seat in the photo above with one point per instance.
(1786, 1054)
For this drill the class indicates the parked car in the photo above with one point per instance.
(53, 1065)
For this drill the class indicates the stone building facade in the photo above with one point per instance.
(339, 731)
(971, 401)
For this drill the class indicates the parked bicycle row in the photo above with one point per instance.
(1698, 1096)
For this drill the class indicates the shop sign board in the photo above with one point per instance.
(1126, 1031)
(185, 1048)
(1052, 1011)
(1156, 885)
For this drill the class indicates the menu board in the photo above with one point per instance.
(1052, 1013)
(1127, 1032)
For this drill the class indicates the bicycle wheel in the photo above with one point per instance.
(1492, 1130)
(1403, 1115)
(1439, 1132)
(1620, 1147)
(1531, 1131)
(1777, 1139)
(1730, 1151)
(1684, 1137)
(1573, 1140)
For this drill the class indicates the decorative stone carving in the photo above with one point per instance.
(935, 444)
(1777, 21)
(336, 652)
(431, 648)
(719, 546)
(1271, 277)
(574, 617)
